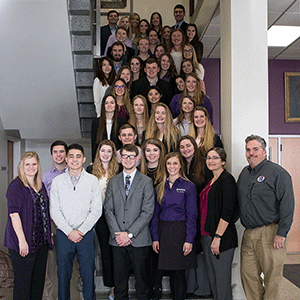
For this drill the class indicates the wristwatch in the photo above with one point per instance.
(218, 236)
(130, 235)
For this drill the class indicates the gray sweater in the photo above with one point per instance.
(75, 209)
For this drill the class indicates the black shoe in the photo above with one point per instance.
(156, 293)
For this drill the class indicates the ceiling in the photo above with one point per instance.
(280, 12)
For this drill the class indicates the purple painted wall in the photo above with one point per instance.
(277, 124)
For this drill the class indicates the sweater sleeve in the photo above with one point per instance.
(154, 221)
(191, 213)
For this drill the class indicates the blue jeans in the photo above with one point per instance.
(66, 251)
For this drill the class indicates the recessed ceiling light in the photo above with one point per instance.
(282, 36)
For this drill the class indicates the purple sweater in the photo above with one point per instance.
(175, 106)
(19, 200)
(178, 204)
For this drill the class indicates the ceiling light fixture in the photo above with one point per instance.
(282, 36)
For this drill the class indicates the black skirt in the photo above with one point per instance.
(172, 235)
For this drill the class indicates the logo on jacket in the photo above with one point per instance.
(180, 191)
(261, 178)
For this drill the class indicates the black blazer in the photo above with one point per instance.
(141, 86)
(222, 203)
(113, 137)
(183, 26)
(105, 33)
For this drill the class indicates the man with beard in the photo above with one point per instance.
(117, 55)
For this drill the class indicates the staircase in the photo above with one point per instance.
(80, 16)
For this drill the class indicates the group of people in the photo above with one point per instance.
(157, 192)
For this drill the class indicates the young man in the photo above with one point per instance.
(266, 200)
(142, 85)
(117, 55)
(127, 136)
(129, 206)
(58, 151)
(76, 205)
(109, 29)
(179, 14)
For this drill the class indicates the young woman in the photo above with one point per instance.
(166, 33)
(173, 226)
(161, 126)
(153, 40)
(159, 50)
(120, 91)
(193, 39)
(125, 73)
(218, 232)
(28, 229)
(121, 36)
(189, 52)
(143, 27)
(107, 125)
(140, 117)
(134, 20)
(184, 120)
(203, 132)
(143, 49)
(177, 43)
(156, 23)
(193, 89)
(186, 67)
(105, 75)
(197, 172)
(105, 167)
(154, 95)
(180, 84)
(123, 23)
(136, 67)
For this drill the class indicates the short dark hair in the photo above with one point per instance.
(126, 126)
(130, 148)
(118, 44)
(77, 147)
(150, 61)
(256, 138)
(112, 11)
(58, 143)
(180, 6)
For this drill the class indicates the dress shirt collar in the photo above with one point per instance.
(258, 167)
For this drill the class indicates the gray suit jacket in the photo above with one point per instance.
(133, 214)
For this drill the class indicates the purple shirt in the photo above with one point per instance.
(19, 200)
(175, 106)
(49, 176)
(178, 204)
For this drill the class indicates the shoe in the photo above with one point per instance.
(156, 293)
(111, 295)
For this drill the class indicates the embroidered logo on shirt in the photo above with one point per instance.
(261, 178)
(180, 191)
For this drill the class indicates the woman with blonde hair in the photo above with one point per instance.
(173, 226)
(134, 20)
(177, 43)
(140, 116)
(203, 132)
(193, 89)
(28, 229)
(161, 126)
(121, 93)
(105, 167)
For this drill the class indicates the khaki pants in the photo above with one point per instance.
(259, 256)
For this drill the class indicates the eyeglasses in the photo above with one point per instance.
(131, 157)
(187, 50)
(212, 157)
(119, 86)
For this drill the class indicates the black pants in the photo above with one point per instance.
(29, 272)
(138, 257)
(178, 284)
(102, 232)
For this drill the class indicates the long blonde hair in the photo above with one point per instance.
(38, 176)
(144, 163)
(171, 133)
(133, 119)
(194, 57)
(113, 166)
(162, 176)
(198, 95)
(207, 138)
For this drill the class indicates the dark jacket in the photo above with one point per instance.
(222, 202)
(105, 33)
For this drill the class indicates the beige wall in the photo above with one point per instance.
(145, 9)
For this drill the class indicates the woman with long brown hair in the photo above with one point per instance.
(203, 132)
(161, 126)
(105, 167)
(173, 226)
